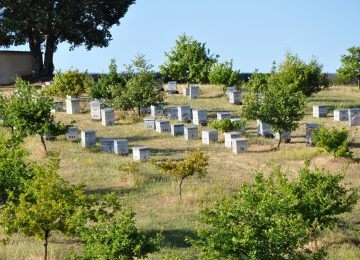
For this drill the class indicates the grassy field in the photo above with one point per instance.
(154, 196)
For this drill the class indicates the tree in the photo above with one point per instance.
(70, 83)
(350, 67)
(333, 141)
(223, 74)
(307, 77)
(195, 164)
(189, 61)
(225, 125)
(15, 170)
(108, 231)
(274, 218)
(279, 104)
(45, 24)
(141, 89)
(48, 203)
(30, 113)
(109, 84)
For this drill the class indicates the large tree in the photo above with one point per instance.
(43, 24)
(350, 67)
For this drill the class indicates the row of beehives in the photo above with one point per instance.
(350, 115)
(108, 145)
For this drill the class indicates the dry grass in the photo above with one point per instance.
(154, 197)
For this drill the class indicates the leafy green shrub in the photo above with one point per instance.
(223, 74)
(274, 218)
(109, 84)
(70, 83)
(333, 141)
(225, 125)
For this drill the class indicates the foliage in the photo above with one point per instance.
(48, 203)
(141, 90)
(223, 73)
(350, 67)
(108, 231)
(195, 164)
(30, 113)
(257, 82)
(333, 141)
(108, 84)
(306, 77)
(279, 104)
(15, 170)
(70, 83)
(188, 61)
(273, 218)
(225, 125)
(45, 24)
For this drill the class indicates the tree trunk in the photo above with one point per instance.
(139, 111)
(358, 81)
(180, 186)
(49, 55)
(35, 48)
(46, 244)
(43, 143)
(278, 144)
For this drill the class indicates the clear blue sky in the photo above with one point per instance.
(252, 33)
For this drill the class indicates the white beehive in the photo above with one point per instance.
(184, 114)
(72, 106)
(186, 91)
(107, 116)
(58, 106)
(107, 145)
(157, 110)
(172, 86)
(230, 135)
(141, 153)
(88, 138)
(319, 111)
(309, 128)
(95, 109)
(172, 113)
(190, 132)
(149, 123)
(285, 136)
(222, 115)
(263, 129)
(341, 115)
(177, 129)
(145, 110)
(194, 92)
(240, 129)
(354, 116)
(162, 126)
(49, 137)
(209, 136)
(235, 97)
(72, 133)
(229, 90)
(121, 146)
(199, 117)
(239, 145)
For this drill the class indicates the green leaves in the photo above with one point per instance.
(222, 73)
(333, 141)
(225, 125)
(273, 218)
(350, 67)
(188, 61)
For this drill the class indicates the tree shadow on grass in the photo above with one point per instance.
(120, 191)
(175, 237)
(168, 151)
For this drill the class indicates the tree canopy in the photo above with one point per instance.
(46, 23)
(188, 61)
(350, 67)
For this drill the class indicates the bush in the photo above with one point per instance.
(225, 125)
(70, 83)
(223, 74)
(333, 141)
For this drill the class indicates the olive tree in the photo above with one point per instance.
(189, 61)
(223, 73)
(350, 67)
